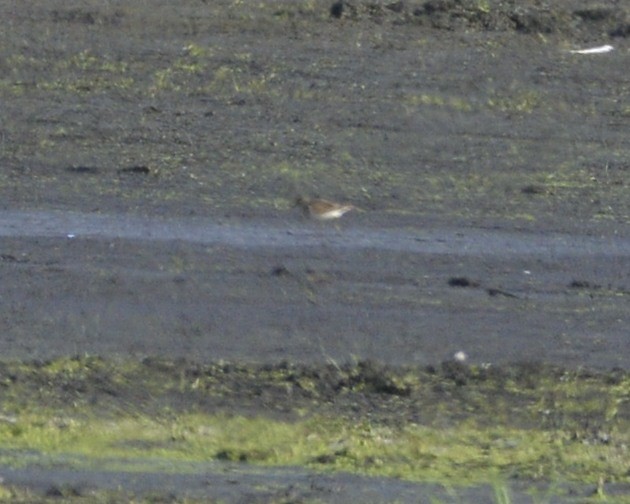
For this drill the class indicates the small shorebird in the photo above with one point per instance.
(321, 209)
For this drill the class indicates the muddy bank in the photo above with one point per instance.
(185, 430)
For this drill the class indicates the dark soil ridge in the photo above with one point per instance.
(587, 20)
(523, 17)
(582, 20)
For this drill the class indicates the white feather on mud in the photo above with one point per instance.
(593, 50)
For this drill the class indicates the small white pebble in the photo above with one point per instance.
(460, 356)
(70, 235)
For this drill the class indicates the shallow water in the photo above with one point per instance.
(274, 233)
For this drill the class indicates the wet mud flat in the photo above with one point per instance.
(150, 155)
(268, 291)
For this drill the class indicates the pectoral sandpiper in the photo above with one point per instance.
(321, 209)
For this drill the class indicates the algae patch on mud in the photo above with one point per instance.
(450, 424)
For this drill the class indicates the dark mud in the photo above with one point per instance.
(235, 483)
(150, 154)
